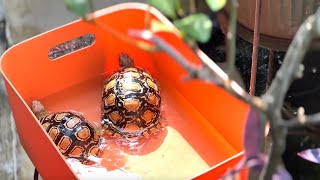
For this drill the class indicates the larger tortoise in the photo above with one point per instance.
(71, 132)
(130, 102)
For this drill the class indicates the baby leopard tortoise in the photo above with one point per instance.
(71, 132)
(130, 102)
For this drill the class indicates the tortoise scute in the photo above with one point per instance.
(94, 150)
(111, 84)
(53, 132)
(131, 127)
(110, 100)
(64, 143)
(152, 84)
(83, 134)
(76, 152)
(114, 117)
(148, 116)
(153, 99)
(128, 84)
(73, 122)
(45, 126)
(60, 116)
(131, 108)
(132, 104)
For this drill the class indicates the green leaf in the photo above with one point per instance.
(216, 5)
(196, 26)
(78, 7)
(167, 7)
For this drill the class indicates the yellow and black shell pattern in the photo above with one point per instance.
(73, 135)
(131, 104)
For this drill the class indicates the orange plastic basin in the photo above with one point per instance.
(205, 123)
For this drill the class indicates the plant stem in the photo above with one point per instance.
(231, 37)
(255, 48)
(310, 120)
(147, 19)
(270, 68)
(192, 6)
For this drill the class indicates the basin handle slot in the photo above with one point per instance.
(71, 46)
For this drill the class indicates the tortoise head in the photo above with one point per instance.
(38, 109)
(125, 61)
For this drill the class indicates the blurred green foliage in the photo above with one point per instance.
(79, 7)
(197, 26)
(216, 5)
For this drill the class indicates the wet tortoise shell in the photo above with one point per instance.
(71, 133)
(131, 103)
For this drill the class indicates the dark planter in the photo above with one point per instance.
(280, 19)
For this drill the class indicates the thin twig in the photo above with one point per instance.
(229, 85)
(208, 72)
(147, 19)
(170, 50)
(231, 37)
(270, 67)
(310, 120)
(192, 6)
(179, 9)
(255, 47)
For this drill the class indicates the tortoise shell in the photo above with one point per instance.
(71, 132)
(131, 103)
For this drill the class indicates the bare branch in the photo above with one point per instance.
(310, 120)
(170, 50)
(229, 85)
(291, 67)
(207, 72)
(274, 97)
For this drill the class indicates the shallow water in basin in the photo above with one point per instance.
(182, 149)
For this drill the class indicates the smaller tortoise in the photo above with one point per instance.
(130, 102)
(71, 132)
